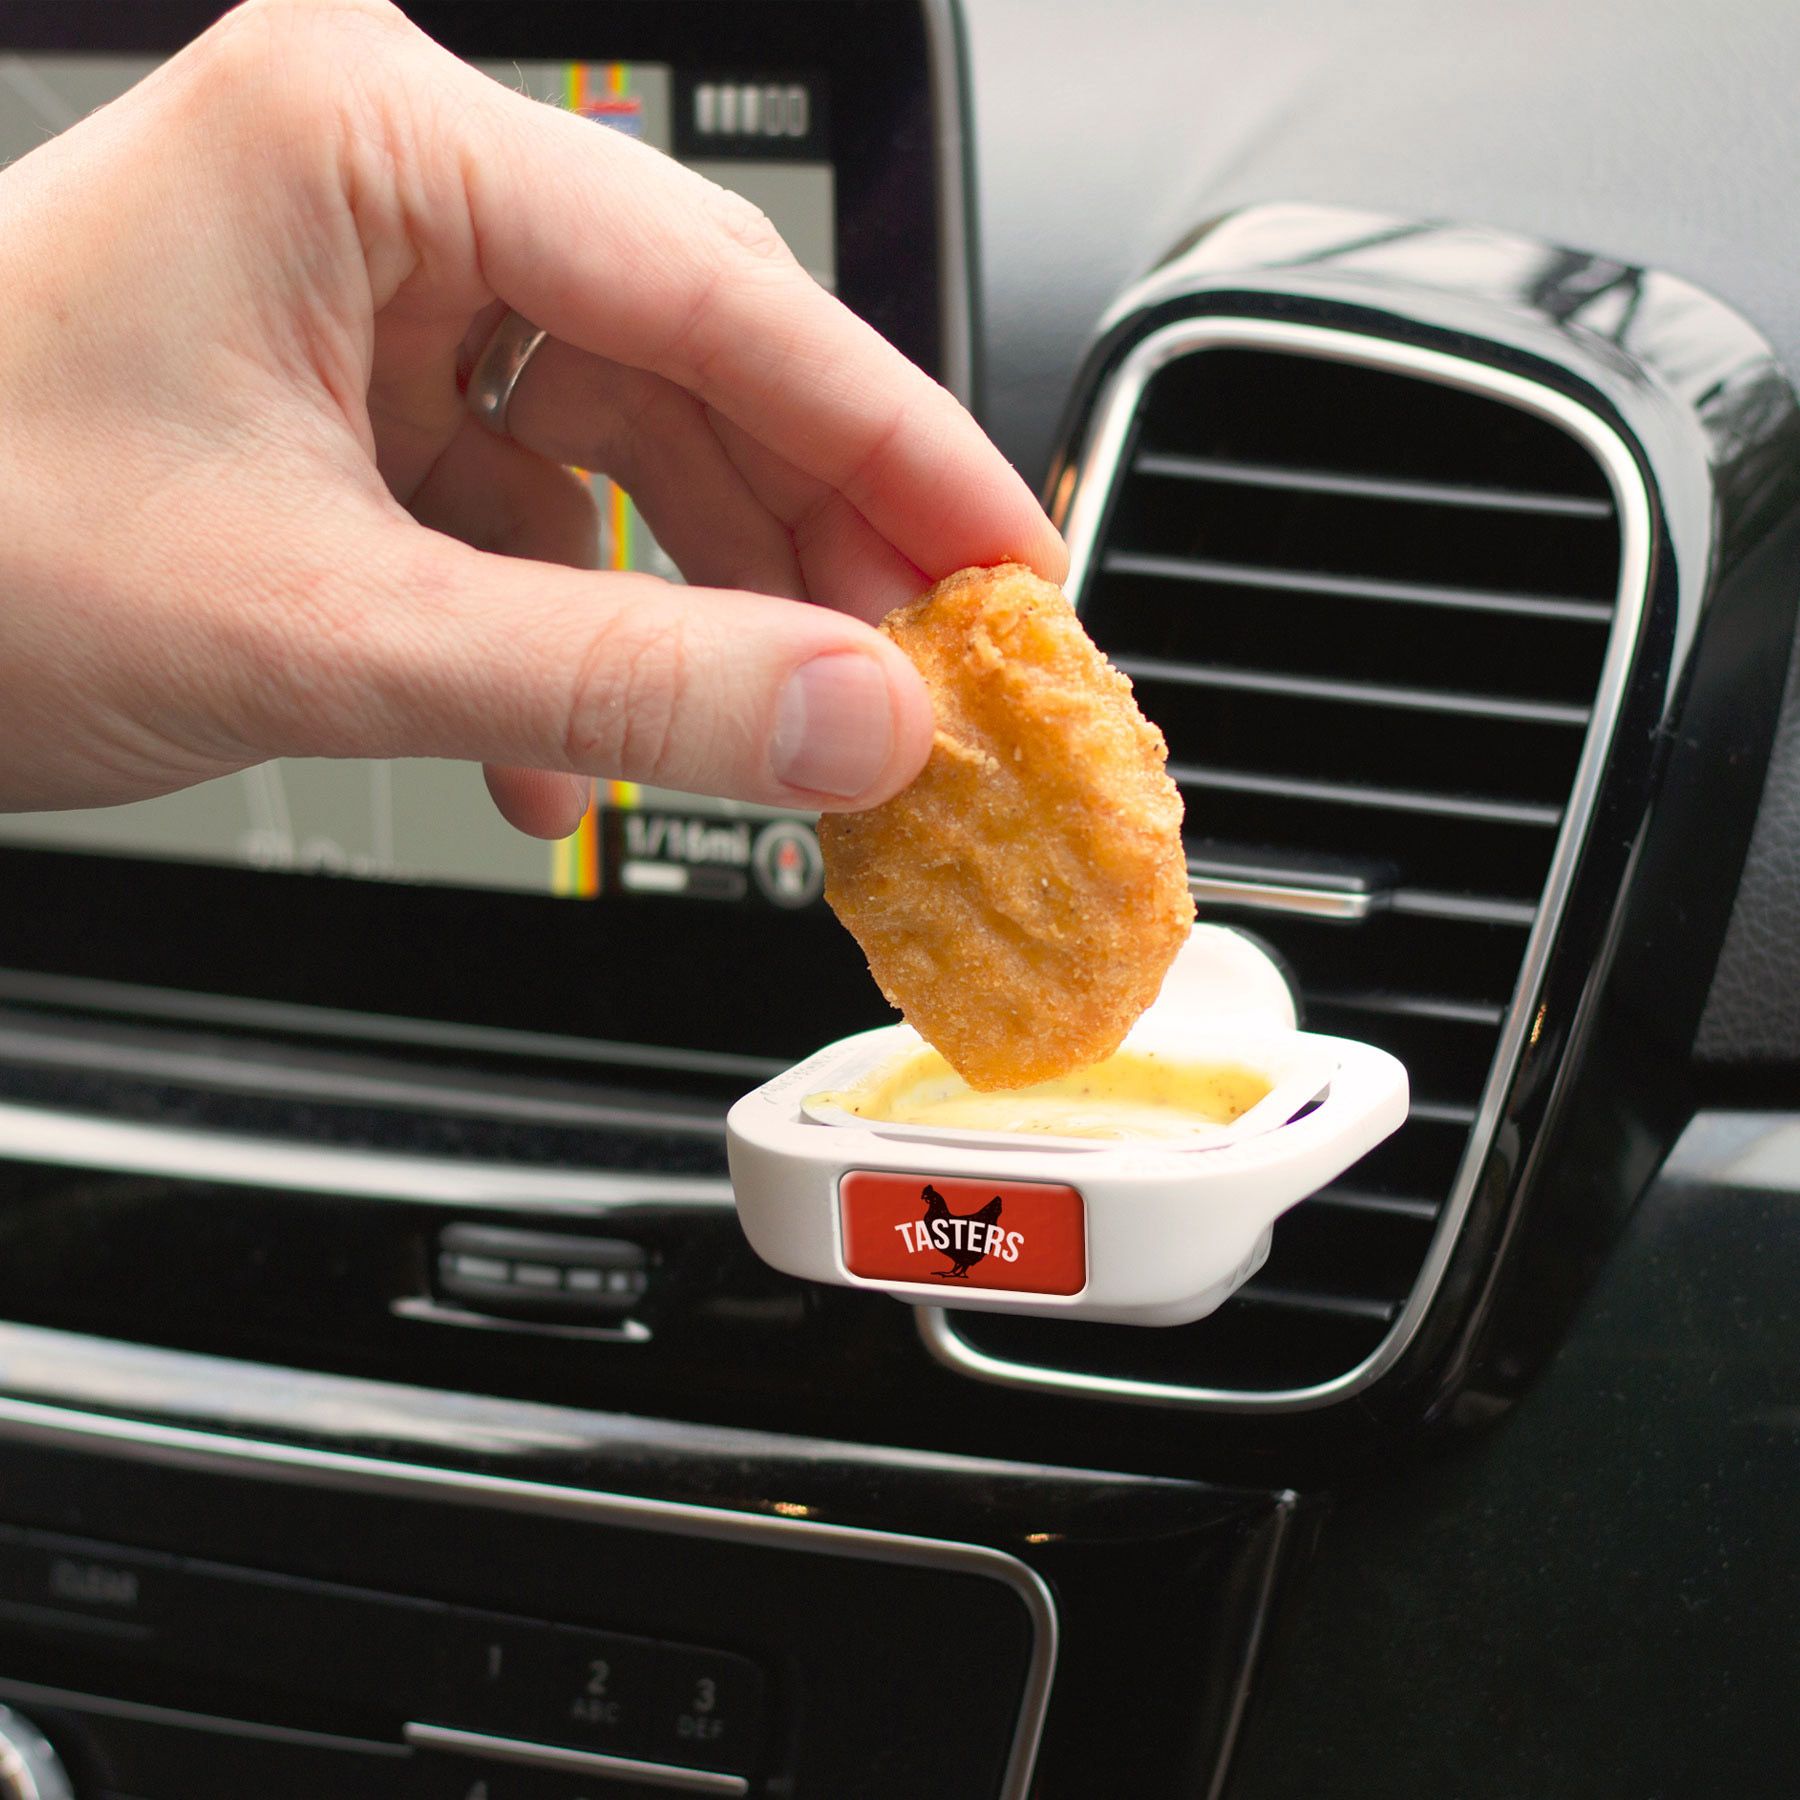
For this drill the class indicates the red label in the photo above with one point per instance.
(1024, 1236)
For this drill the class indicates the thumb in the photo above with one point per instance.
(427, 647)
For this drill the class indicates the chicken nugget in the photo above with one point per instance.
(1021, 902)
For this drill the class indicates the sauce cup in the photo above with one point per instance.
(1151, 1226)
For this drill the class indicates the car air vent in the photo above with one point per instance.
(1371, 608)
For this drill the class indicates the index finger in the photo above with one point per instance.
(618, 249)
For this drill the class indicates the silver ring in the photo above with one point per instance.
(498, 368)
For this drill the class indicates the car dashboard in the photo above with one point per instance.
(390, 1404)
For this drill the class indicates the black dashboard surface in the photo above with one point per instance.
(1601, 1599)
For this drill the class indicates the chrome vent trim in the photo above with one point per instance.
(1081, 506)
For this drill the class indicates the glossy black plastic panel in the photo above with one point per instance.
(1382, 606)
(1749, 1039)
(1598, 1599)
(890, 1664)
(1706, 412)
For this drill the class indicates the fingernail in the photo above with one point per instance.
(834, 725)
(582, 786)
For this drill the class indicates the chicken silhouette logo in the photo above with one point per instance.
(1020, 1236)
(965, 1240)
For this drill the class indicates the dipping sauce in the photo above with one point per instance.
(1133, 1093)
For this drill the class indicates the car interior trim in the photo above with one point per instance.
(142, 1440)
(129, 1000)
(1282, 897)
(434, 1312)
(74, 1140)
(1082, 508)
(1251, 1659)
(91, 1048)
(109, 1706)
(574, 1762)
(956, 241)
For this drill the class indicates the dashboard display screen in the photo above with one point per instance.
(760, 132)
(391, 899)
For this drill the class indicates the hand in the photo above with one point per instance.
(244, 512)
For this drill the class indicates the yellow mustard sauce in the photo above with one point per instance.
(1133, 1093)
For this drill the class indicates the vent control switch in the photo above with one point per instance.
(550, 1277)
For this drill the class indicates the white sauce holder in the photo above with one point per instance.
(1144, 1233)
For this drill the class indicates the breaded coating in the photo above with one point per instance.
(1022, 900)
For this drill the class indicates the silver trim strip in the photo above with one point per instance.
(42, 1044)
(576, 1762)
(1360, 487)
(177, 1446)
(138, 1003)
(75, 1140)
(956, 327)
(435, 1312)
(1098, 471)
(1250, 1662)
(1270, 896)
(104, 1706)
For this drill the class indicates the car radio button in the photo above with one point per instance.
(276, 1631)
(554, 1276)
(602, 1691)
(597, 1690)
(451, 1778)
(707, 1709)
(466, 1765)
(67, 1585)
(552, 1684)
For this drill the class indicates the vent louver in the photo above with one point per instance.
(1372, 612)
